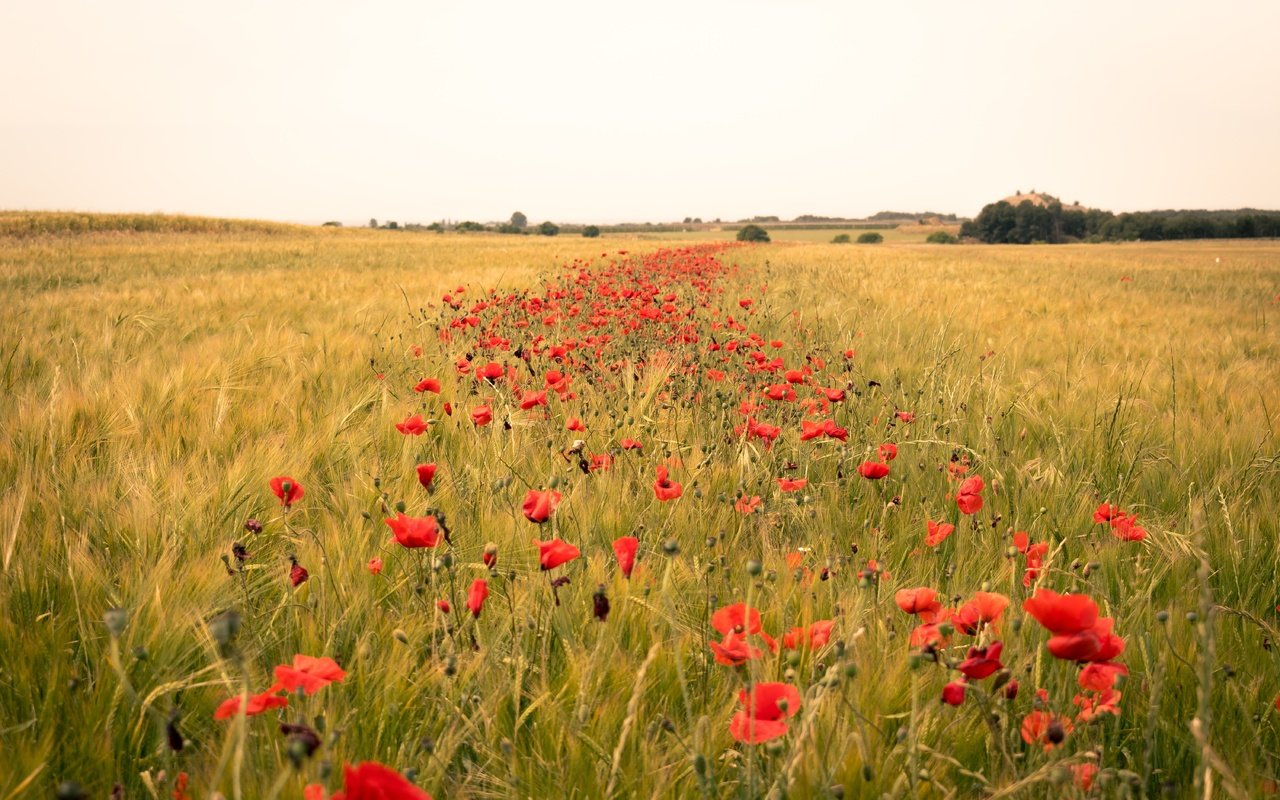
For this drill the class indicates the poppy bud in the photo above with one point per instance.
(490, 557)
(173, 736)
(600, 604)
(1056, 733)
(1002, 677)
(303, 742)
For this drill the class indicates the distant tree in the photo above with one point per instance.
(436, 226)
(870, 237)
(697, 220)
(941, 237)
(591, 231)
(841, 238)
(519, 220)
(393, 225)
(373, 223)
(332, 224)
(507, 227)
(468, 225)
(753, 233)
(548, 228)
(688, 220)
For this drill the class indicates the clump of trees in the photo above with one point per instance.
(870, 237)
(753, 233)
(548, 228)
(841, 238)
(591, 231)
(941, 237)
(1026, 223)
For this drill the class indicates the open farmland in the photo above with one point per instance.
(779, 436)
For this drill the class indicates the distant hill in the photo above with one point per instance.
(1042, 200)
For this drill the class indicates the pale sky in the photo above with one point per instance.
(602, 111)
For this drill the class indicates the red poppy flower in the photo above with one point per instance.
(1127, 529)
(923, 601)
(444, 606)
(767, 706)
(298, 574)
(888, 451)
(630, 444)
(747, 505)
(984, 608)
(982, 662)
(1045, 728)
(531, 399)
(735, 650)
(375, 566)
(428, 385)
(555, 552)
(815, 636)
(1099, 677)
(1095, 704)
(415, 531)
(624, 547)
(906, 416)
(481, 415)
(373, 781)
(600, 462)
(308, 673)
(664, 488)
(737, 618)
(287, 489)
(873, 470)
(1098, 643)
(830, 428)
(539, 506)
(928, 635)
(937, 532)
(476, 596)
(254, 704)
(1107, 512)
(969, 496)
(575, 424)
(413, 425)
(790, 485)
(426, 474)
(953, 693)
(490, 372)
(1062, 613)
(1084, 774)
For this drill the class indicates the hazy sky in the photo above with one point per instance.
(604, 111)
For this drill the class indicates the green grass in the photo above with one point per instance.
(154, 383)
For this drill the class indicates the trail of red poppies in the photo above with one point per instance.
(709, 327)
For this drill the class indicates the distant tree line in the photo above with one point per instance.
(1004, 223)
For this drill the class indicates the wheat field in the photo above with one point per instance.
(155, 383)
